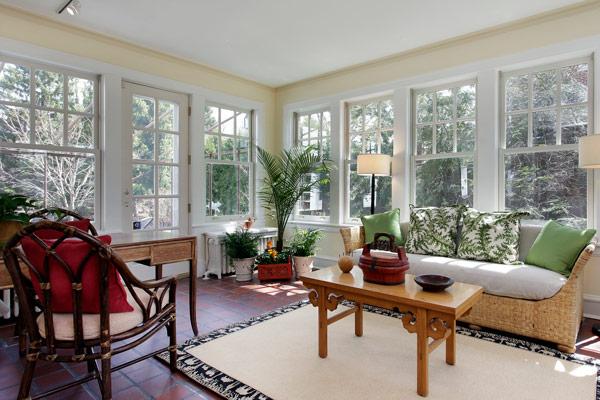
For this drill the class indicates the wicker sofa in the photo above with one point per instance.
(555, 319)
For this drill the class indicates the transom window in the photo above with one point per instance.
(314, 129)
(444, 132)
(370, 129)
(228, 145)
(544, 112)
(48, 135)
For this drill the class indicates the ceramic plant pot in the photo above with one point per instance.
(303, 265)
(243, 269)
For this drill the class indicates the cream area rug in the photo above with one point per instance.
(275, 356)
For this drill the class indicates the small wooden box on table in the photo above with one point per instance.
(429, 315)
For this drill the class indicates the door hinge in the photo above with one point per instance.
(189, 207)
(189, 159)
(189, 111)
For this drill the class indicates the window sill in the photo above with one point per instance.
(325, 226)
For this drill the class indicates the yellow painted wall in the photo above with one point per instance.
(22, 26)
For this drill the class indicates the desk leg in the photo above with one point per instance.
(322, 323)
(451, 344)
(422, 353)
(193, 294)
(158, 271)
(358, 320)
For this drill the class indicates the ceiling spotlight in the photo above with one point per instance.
(72, 7)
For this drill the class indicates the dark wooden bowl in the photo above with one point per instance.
(434, 283)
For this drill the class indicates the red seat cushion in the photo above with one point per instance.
(73, 252)
(82, 224)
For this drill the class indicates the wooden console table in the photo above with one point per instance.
(429, 315)
(153, 249)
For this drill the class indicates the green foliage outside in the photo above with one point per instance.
(304, 242)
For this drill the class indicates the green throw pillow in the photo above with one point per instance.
(433, 230)
(490, 236)
(557, 247)
(387, 222)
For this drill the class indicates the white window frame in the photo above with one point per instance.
(251, 163)
(297, 142)
(64, 149)
(347, 161)
(530, 149)
(441, 156)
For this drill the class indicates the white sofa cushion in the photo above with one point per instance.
(519, 281)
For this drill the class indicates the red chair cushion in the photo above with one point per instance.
(81, 224)
(73, 252)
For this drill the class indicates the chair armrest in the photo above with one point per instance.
(582, 260)
(353, 237)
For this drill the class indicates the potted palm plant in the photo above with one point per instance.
(242, 248)
(287, 176)
(14, 213)
(304, 248)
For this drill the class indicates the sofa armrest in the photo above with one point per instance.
(354, 238)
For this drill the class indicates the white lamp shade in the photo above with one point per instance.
(589, 151)
(373, 164)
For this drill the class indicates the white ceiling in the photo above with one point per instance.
(277, 42)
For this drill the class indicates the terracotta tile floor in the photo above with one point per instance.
(220, 303)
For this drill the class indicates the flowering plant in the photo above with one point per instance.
(272, 256)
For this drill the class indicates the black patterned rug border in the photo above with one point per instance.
(232, 389)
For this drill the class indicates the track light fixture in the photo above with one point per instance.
(72, 7)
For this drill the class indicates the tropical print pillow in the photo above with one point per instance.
(433, 230)
(490, 236)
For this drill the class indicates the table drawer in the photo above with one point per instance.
(136, 253)
(171, 252)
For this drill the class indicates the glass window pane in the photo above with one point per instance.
(444, 138)
(168, 212)
(424, 107)
(544, 128)
(242, 149)
(143, 212)
(222, 189)
(80, 131)
(14, 124)
(465, 136)
(49, 127)
(227, 121)
(81, 95)
(314, 125)
(356, 118)
(303, 126)
(443, 182)
(242, 125)
(168, 147)
(387, 142)
(326, 148)
(211, 119)
(574, 85)
(424, 139)
(356, 146)
(545, 89)
(143, 145)
(371, 143)
(24, 173)
(168, 116)
(71, 183)
(244, 189)
(211, 145)
(227, 148)
(548, 185)
(387, 114)
(445, 105)
(517, 93)
(142, 179)
(142, 112)
(49, 89)
(14, 82)
(326, 123)
(574, 123)
(516, 130)
(168, 180)
(465, 102)
(360, 193)
(371, 117)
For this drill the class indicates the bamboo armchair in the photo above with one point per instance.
(152, 301)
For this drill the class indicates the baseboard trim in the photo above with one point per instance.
(591, 306)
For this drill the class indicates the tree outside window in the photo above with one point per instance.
(370, 127)
(48, 135)
(544, 112)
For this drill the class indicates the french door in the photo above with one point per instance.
(156, 128)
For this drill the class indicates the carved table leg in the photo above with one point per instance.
(451, 343)
(422, 353)
(322, 301)
(358, 320)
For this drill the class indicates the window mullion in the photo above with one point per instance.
(530, 110)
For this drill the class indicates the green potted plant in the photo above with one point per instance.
(304, 248)
(273, 264)
(287, 176)
(242, 248)
(14, 213)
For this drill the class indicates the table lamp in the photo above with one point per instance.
(374, 165)
(589, 157)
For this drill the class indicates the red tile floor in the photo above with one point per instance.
(220, 303)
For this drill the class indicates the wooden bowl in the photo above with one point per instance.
(434, 283)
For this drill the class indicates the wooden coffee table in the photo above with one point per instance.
(430, 315)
